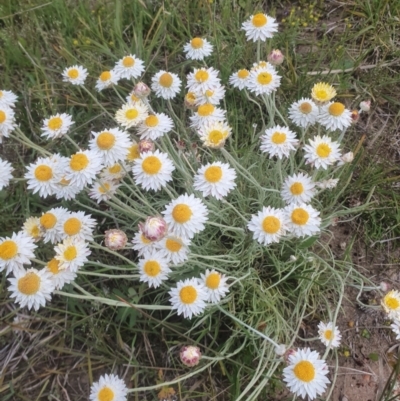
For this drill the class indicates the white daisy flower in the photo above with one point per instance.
(391, 304)
(116, 171)
(197, 49)
(260, 27)
(263, 81)
(215, 284)
(303, 113)
(42, 176)
(72, 254)
(185, 216)
(109, 388)
(165, 84)
(206, 114)
(239, 79)
(188, 298)
(153, 170)
(5, 173)
(50, 224)
(306, 373)
(7, 98)
(83, 167)
(202, 79)
(302, 220)
(59, 276)
(56, 126)
(213, 95)
(7, 122)
(31, 288)
(111, 144)
(214, 134)
(76, 75)
(131, 114)
(174, 249)
(32, 228)
(133, 152)
(395, 326)
(155, 126)
(65, 190)
(298, 188)
(329, 335)
(268, 225)
(322, 152)
(216, 179)
(153, 269)
(77, 225)
(103, 190)
(129, 67)
(106, 80)
(142, 245)
(278, 141)
(334, 116)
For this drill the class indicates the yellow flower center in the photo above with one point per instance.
(29, 284)
(213, 280)
(1, 94)
(104, 187)
(34, 231)
(243, 74)
(323, 150)
(133, 152)
(190, 97)
(188, 294)
(48, 220)
(300, 216)
(392, 303)
(144, 239)
(152, 268)
(209, 93)
(278, 138)
(72, 226)
(131, 114)
(336, 109)
(8, 249)
(105, 76)
(3, 116)
(128, 62)
(134, 98)
(151, 165)
(55, 123)
(166, 80)
(53, 266)
(205, 110)
(43, 173)
(213, 174)
(73, 73)
(182, 213)
(304, 371)
(173, 245)
(328, 335)
(215, 137)
(197, 43)
(105, 394)
(78, 162)
(305, 108)
(271, 224)
(64, 182)
(201, 76)
(70, 253)
(264, 78)
(151, 121)
(297, 188)
(321, 94)
(259, 20)
(115, 169)
(105, 141)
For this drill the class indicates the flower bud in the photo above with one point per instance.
(190, 100)
(280, 349)
(141, 90)
(365, 106)
(276, 57)
(115, 239)
(385, 287)
(347, 158)
(146, 145)
(288, 353)
(190, 355)
(154, 228)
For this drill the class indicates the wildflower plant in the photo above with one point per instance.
(211, 234)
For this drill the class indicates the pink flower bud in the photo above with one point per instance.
(385, 287)
(190, 355)
(365, 105)
(154, 228)
(288, 353)
(115, 239)
(141, 90)
(146, 145)
(276, 57)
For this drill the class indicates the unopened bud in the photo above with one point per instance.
(354, 116)
(276, 57)
(154, 228)
(141, 90)
(293, 258)
(146, 145)
(280, 349)
(190, 355)
(365, 105)
(385, 287)
(190, 100)
(288, 353)
(347, 158)
(115, 239)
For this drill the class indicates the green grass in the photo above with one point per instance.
(67, 345)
